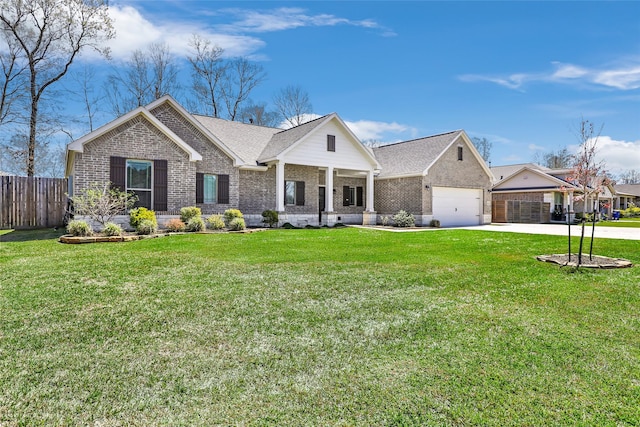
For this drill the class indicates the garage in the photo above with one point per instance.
(455, 207)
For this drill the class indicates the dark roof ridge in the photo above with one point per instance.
(417, 139)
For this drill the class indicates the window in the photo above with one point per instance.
(136, 176)
(139, 181)
(294, 193)
(460, 153)
(331, 143)
(212, 188)
(352, 196)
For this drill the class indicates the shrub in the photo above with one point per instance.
(288, 226)
(270, 217)
(79, 228)
(403, 219)
(102, 202)
(174, 225)
(434, 223)
(215, 222)
(631, 211)
(384, 220)
(138, 215)
(196, 224)
(237, 224)
(112, 229)
(146, 226)
(189, 212)
(230, 215)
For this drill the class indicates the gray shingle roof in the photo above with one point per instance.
(633, 189)
(412, 157)
(253, 143)
(286, 138)
(502, 172)
(246, 140)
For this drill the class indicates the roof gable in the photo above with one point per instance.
(286, 141)
(78, 144)
(417, 156)
(528, 178)
(168, 100)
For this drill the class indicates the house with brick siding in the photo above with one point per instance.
(439, 177)
(318, 173)
(315, 173)
(531, 193)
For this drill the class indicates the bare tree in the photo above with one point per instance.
(560, 159)
(12, 80)
(49, 158)
(293, 104)
(483, 145)
(631, 176)
(208, 71)
(148, 75)
(241, 77)
(51, 34)
(588, 174)
(258, 114)
(85, 92)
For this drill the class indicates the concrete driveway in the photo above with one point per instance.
(602, 232)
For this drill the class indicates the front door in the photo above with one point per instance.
(321, 203)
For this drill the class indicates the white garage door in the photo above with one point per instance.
(456, 207)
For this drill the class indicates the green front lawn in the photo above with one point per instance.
(316, 327)
(623, 222)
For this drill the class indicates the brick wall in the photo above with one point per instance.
(392, 195)
(137, 139)
(308, 174)
(338, 183)
(214, 161)
(258, 191)
(448, 171)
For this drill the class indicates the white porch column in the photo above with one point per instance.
(328, 193)
(369, 203)
(279, 186)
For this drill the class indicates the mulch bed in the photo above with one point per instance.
(596, 261)
(129, 237)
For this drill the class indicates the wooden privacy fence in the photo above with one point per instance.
(32, 202)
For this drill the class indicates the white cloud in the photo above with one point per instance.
(368, 130)
(616, 155)
(623, 77)
(534, 147)
(134, 31)
(288, 18)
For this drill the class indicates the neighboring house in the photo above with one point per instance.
(315, 173)
(531, 193)
(626, 194)
(439, 177)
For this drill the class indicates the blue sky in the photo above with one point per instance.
(521, 74)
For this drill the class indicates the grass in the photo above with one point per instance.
(316, 327)
(623, 222)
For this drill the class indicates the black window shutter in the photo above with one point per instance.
(199, 187)
(345, 195)
(223, 189)
(359, 196)
(118, 172)
(299, 193)
(159, 185)
(331, 143)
